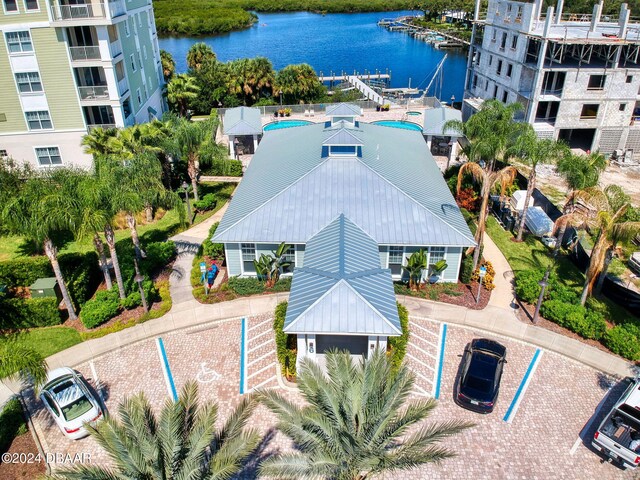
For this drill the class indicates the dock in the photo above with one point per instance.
(342, 76)
(402, 24)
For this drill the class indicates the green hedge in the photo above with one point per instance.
(103, 307)
(12, 423)
(466, 271)
(23, 271)
(398, 345)
(213, 250)
(623, 340)
(207, 202)
(286, 348)
(19, 313)
(253, 286)
(578, 319)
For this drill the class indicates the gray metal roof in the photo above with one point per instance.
(394, 192)
(343, 137)
(341, 289)
(435, 118)
(242, 121)
(343, 110)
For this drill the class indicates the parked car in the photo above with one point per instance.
(481, 370)
(70, 402)
(618, 436)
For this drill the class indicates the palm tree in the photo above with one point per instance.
(355, 422)
(191, 138)
(581, 171)
(532, 151)
(416, 265)
(298, 82)
(181, 442)
(569, 219)
(491, 131)
(99, 141)
(44, 207)
(181, 91)
(18, 362)
(198, 54)
(168, 65)
(501, 178)
(607, 208)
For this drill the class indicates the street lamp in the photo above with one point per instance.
(280, 93)
(139, 278)
(185, 187)
(453, 99)
(543, 285)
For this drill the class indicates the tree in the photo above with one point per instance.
(355, 422)
(606, 214)
(181, 442)
(250, 78)
(198, 54)
(168, 65)
(532, 151)
(191, 138)
(416, 265)
(99, 141)
(491, 131)
(181, 91)
(298, 83)
(581, 171)
(489, 180)
(41, 210)
(23, 363)
(12, 178)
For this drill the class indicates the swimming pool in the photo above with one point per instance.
(414, 113)
(399, 124)
(285, 124)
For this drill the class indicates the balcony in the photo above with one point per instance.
(86, 13)
(85, 53)
(123, 86)
(104, 126)
(115, 48)
(96, 92)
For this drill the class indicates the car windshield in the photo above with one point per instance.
(76, 409)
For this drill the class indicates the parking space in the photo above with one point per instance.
(560, 399)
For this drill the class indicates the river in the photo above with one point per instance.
(334, 42)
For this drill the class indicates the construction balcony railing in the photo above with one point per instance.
(94, 92)
(92, 9)
(104, 126)
(85, 53)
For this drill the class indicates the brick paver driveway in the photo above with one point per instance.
(540, 442)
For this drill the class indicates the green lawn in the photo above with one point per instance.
(49, 340)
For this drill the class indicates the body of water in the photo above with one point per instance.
(335, 42)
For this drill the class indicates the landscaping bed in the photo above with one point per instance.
(16, 439)
(453, 293)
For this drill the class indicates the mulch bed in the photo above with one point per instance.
(24, 444)
(467, 297)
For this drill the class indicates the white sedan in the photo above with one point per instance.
(68, 399)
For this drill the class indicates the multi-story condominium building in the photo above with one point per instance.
(67, 66)
(577, 76)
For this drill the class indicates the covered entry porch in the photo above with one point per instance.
(315, 347)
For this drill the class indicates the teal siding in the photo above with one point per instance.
(234, 259)
(300, 258)
(453, 256)
(384, 255)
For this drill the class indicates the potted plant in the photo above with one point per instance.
(386, 107)
(281, 112)
(436, 269)
(287, 112)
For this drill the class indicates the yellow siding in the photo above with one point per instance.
(9, 100)
(57, 78)
(23, 17)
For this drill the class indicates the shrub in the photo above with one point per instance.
(595, 327)
(527, 288)
(213, 250)
(623, 340)
(133, 300)
(103, 307)
(82, 274)
(253, 286)
(20, 313)
(487, 281)
(468, 199)
(286, 348)
(467, 269)
(12, 423)
(398, 345)
(557, 311)
(159, 254)
(560, 292)
(208, 202)
(22, 272)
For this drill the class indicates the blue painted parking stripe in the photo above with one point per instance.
(243, 357)
(443, 339)
(166, 370)
(524, 384)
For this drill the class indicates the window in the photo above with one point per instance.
(144, 51)
(48, 156)
(494, 35)
(133, 63)
(475, 81)
(495, 91)
(10, 6)
(509, 70)
(31, 4)
(39, 120)
(395, 259)
(150, 83)
(596, 82)
(139, 96)
(503, 43)
(139, 20)
(289, 257)
(435, 255)
(490, 59)
(146, 94)
(248, 256)
(140, 61)
(589, 111)
(514, 42)
(505, 96)
(342, 150)
(18, 42)
(499, 69)
(629, 78)
(28, 82)
(622, 107)
(127, 32)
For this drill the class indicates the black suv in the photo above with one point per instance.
(479, 383)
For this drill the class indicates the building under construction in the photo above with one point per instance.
(576, 75)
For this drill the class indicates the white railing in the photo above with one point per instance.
(104, 126)
(93, 9)
(117, 8)
(123, 86)
(85, 53)
(94, 92)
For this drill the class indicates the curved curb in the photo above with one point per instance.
(502, 322)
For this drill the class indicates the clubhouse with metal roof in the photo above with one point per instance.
(354, 200)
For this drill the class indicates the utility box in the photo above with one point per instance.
(46, 288)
